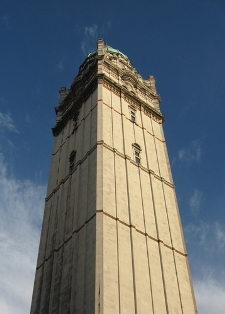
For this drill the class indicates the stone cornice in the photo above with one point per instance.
(129, 74)
(74, 100)
(118, 153)
(132, 99)
(117, 74)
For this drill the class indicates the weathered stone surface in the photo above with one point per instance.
(112, 239)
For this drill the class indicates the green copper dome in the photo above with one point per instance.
(110, 49)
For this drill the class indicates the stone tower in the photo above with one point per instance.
(111, 239)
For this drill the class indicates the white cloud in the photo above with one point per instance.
(220, 235)
(91, 31)
(7, 123)
(192, 153)
(210, 296)
(21, 211)
(196, 233)
(88, 43)
(195, 201)
(60, 65)
(91, 34)
(211, 236)
(205, 243)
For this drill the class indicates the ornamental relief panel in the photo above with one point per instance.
(106, 69)
(129, 79)
(152, 115)
(131, 101)
(146, 85)
(129, 82)
(129, 87)
(111, 88)
(146, 104)
(120, 62)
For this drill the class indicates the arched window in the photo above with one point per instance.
(72, 160)
(137, 153)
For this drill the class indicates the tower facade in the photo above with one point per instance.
(111, 239)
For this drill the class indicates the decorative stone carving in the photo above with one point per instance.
(115, 71)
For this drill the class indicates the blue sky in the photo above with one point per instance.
(182, 43)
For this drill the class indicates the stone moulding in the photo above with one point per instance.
(115, 151)
(91, 73)
(132, 99)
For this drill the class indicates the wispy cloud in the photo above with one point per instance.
(21, 211)
(5, 21)
(91, 34)
(206, 239)
(195, 201)
(6, 123)
(210, 296)
(88, 43)
(206, 235)
(60, 65)
(220, 236)
(206, 243)
(197, 233)
(192, 153)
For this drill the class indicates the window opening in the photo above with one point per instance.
(133, 116)
(76, 119)
(137, 153)
(72, 160)
(137, 157)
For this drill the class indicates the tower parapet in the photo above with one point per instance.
(114, 70)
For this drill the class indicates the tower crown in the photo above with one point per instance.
(111, 67)
(111, 50)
